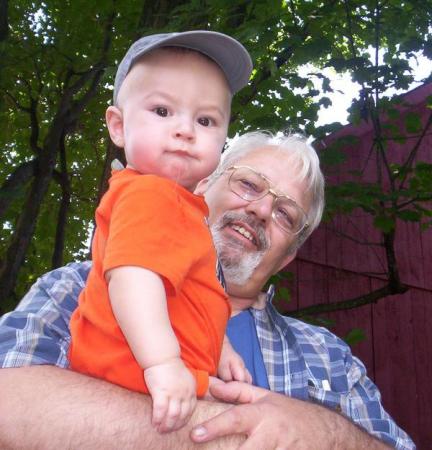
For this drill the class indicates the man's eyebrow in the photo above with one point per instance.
(272, 185)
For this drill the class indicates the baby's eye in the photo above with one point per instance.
(161, 111)
(205, 121)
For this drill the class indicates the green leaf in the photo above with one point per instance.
(409, 215)
(393, 113)
(384, 223)
(355, 336)
(48, 49)
(284, 293)
(332, 156)
(413, 122)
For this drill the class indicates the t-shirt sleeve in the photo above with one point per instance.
(149, 228)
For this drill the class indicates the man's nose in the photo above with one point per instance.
(185, 129)
(262, 208)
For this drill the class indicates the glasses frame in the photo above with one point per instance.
(274, 193)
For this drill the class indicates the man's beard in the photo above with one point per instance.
(237, 263)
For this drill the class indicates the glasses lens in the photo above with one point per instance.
(250, 186)
(247, 184)
(288, 215)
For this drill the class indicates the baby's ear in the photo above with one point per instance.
(114, 121)
(201, 187)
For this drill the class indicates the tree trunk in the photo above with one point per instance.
(64, 122)
(21, 175)
(26, 225)
(4, 24)
(57, 257)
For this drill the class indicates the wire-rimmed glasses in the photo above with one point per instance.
(251, 185)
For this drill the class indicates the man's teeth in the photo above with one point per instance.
(243, 232)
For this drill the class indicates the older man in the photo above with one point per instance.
(264, 200)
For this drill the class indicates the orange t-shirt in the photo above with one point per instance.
(151, 222)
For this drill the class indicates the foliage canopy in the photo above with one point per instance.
(58, 60)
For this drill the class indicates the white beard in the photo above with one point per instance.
(237, 264)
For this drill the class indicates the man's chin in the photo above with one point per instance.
(239, 270)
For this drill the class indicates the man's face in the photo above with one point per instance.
(250, 245)
(174, 110)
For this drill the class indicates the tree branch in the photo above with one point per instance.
(350, 30)
(18, 178)
(418, 198)
(26, 223)
(4, 25)
(411, 157)
(94, 74)
(352, 238)
(344, 305)
(34, 126)
(57, 256)
(281, 59)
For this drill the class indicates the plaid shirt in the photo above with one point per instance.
(302, 361)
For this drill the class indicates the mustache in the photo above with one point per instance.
(255, 224)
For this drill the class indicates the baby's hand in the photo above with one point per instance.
(173, 391)
(231, 366)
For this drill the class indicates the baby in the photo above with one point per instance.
(152, 316)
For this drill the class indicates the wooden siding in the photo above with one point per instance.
(398, 347)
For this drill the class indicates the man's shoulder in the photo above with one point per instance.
(37, 331)
(60, 286)
(73, 269)
(75, 272)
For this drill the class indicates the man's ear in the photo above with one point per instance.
(201, 187)
(114, 121)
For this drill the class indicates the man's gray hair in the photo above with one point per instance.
(293, 146)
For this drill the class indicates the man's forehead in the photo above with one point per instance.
(273, 163)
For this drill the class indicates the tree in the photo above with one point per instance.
(400, 190)
(58, 63)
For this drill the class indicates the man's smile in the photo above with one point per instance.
(244, 232)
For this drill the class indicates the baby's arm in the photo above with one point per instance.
(138, 301)
(231, 366)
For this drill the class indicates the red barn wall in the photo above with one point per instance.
(397, 350)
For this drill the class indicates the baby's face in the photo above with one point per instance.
(175, 109)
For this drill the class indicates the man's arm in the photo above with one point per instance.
(274, 421)
(45, 407)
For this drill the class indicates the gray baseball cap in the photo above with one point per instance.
(229, 54)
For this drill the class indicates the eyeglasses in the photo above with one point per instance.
(252, 186)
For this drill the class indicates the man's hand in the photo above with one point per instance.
(273, 421)
(173, 391)
(231, 366)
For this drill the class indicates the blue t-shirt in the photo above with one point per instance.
(241, 332)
